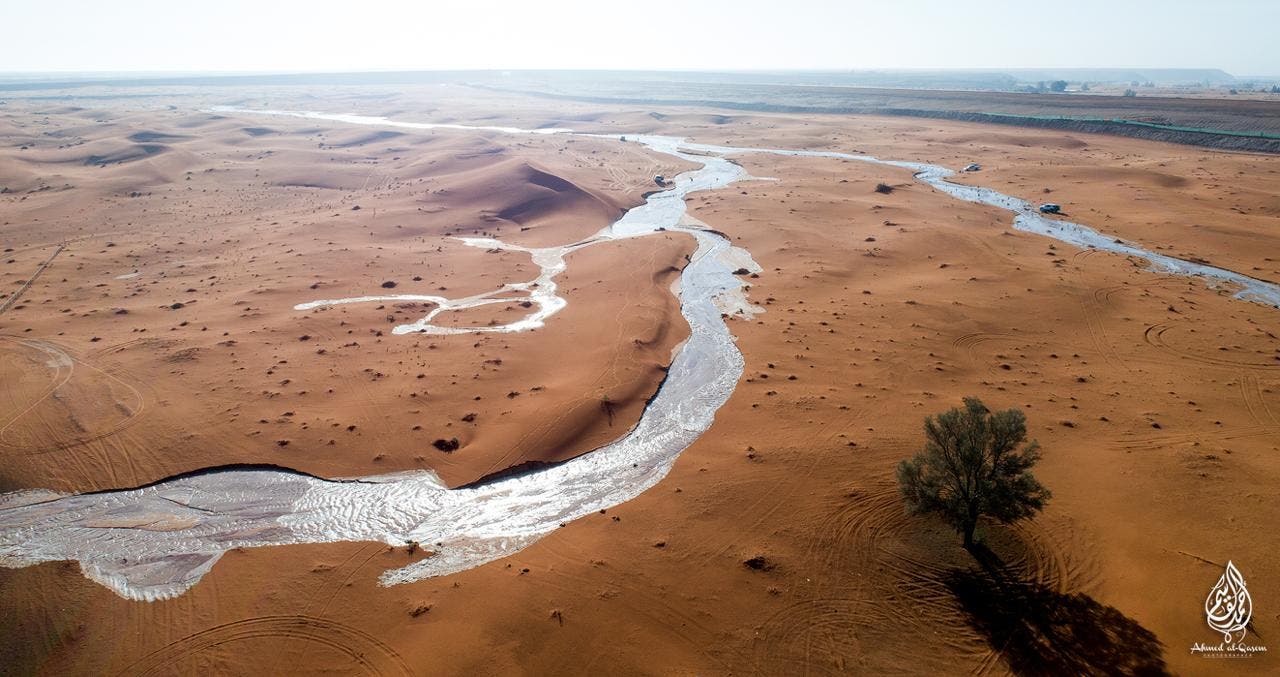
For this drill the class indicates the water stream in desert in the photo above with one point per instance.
(157, 541)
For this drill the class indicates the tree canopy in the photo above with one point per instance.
(971, 465)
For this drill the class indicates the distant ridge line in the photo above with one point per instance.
(1222, 139)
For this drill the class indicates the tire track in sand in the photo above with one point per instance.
(64, 359)
(13, 298)
(1159, 336)
(902, 586)
(372, 655)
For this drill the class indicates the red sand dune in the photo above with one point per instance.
(778, 544)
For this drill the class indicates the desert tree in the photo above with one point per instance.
(973, 463)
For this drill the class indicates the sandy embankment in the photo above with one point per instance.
(195, 358)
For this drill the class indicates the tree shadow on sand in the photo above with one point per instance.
(1040, 631)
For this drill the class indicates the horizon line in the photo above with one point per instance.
(814, 69)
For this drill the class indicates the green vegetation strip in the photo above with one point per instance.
(1137, 123)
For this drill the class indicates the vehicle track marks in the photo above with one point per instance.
(370, 654)
(66, 361)
(13, 298)
(1159, 336)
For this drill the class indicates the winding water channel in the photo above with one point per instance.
(157, 541)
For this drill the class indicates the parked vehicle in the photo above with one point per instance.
(1050, 208)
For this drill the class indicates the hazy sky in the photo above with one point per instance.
(317, 35)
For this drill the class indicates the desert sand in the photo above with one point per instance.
(153, 256)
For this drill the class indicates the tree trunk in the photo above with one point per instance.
(969, 527)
